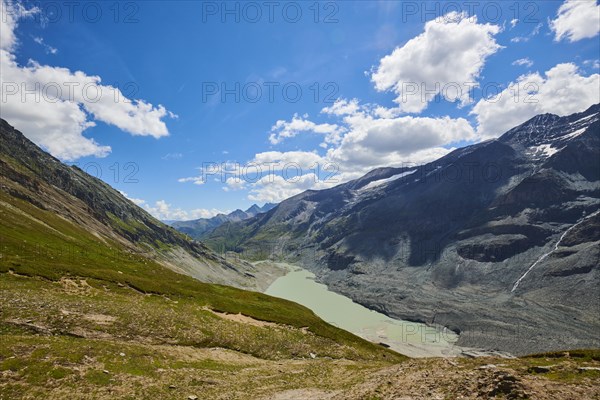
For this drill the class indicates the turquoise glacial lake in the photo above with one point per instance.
(409, 338)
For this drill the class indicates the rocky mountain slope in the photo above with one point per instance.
(498, 241)
(199, 228)
(30, 175)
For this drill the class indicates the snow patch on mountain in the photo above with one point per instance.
(380, 182)
(573, 135)
(542, 151)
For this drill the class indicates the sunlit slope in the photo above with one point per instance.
(32, 175)
(49, 236)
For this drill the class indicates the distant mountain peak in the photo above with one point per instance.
(543, 119)
(253, 209)
(551, 130)
(202, 226)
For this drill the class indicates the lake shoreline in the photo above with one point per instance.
(447, 348)
(406, 337)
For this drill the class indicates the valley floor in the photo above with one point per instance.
(81, 339)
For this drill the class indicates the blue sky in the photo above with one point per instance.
(370, 57)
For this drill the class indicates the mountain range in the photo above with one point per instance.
(198, 228)
(498, 240)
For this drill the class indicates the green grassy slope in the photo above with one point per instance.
(38, 243)
(30, 174)
(51, 231)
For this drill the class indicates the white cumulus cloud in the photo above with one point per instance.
(576, 20)
(234, 183)
(447, 59)
(288, 129)
(275, 188)
(374, 142)
(164, 211)
(523, 62)
(54, 106)
(10, 14)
